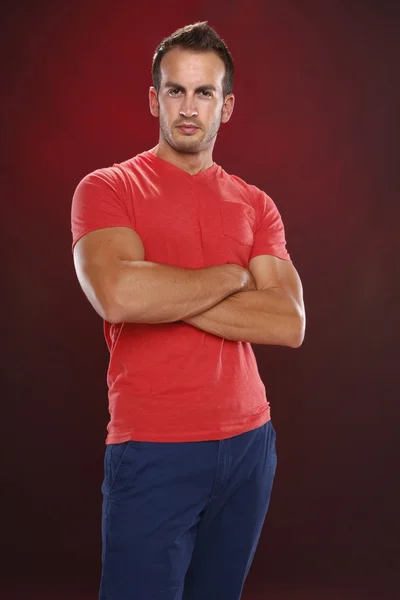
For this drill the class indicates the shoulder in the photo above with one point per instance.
(253, 194)
(117, 175)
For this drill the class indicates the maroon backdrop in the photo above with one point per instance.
(316, 101)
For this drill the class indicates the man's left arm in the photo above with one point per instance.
(273, 313)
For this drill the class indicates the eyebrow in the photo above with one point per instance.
(171, 84)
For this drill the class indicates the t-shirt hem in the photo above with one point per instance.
(96, 228)
(284, 255)
(204, 436)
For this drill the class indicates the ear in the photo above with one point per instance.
(227, 109)
(153, 100)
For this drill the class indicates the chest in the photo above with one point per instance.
(193, 224)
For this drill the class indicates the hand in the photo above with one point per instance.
(250, 283)
(242, 275)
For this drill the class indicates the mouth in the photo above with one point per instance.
(188, 129)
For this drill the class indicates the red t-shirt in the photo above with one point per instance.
(172, 382)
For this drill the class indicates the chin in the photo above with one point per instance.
(187, 146)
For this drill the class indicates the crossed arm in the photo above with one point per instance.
(272, 314)
(123, 287)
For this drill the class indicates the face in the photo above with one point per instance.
(190, 104)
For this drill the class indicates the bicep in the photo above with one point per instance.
(98, 258)
(272, 272)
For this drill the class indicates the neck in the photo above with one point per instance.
(191, 163)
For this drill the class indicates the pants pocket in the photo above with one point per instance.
(113, 464)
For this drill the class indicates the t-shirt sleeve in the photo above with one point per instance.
(269, 237)
(98, 202)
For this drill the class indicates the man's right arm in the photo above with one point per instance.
(123, 287)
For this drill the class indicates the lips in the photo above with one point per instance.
(188, 128)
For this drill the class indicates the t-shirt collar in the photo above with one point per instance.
(160, 162)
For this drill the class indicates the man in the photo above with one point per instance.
(187, 266)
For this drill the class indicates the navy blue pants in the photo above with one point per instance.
(181, 521)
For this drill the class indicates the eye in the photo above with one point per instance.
(173, 92)
(206, 93)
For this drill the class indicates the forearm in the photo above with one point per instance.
(148, 292)
(260, 317)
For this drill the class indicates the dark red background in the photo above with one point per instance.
(314, 126)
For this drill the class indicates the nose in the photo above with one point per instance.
(188, 108)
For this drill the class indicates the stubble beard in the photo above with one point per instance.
(188, 144)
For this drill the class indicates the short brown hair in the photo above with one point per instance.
(198, 36)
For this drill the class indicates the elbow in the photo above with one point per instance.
(115, 313)
(298, 330)
(108, 307)
(111, 316)
(111, 310)
(102, 306)
(296, 342)
(106, 298)
(107, 312)
(118, 311)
